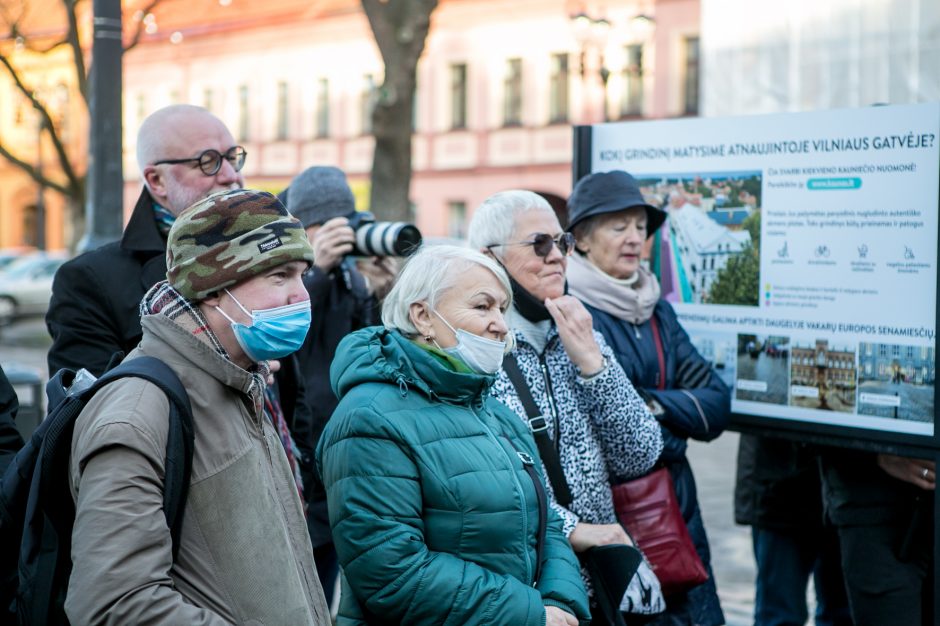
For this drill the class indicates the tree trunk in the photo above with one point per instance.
(400, 30)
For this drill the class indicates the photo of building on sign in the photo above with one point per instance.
(763, 371)
(710, 245)
(720, 350)
(896, 381)
(823, 377)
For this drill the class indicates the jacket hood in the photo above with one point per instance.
(378, 355)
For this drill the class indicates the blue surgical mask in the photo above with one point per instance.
(482, 355)
(273, 333)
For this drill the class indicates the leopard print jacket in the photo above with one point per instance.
(601, 426)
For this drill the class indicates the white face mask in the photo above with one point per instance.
(482, 355)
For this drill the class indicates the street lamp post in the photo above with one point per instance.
(591, 34)
(104, 201)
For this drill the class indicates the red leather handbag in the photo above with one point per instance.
(647, 507)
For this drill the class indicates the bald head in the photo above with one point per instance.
(163, 127)
(183, 131)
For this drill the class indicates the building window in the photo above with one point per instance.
(367, 103)
(323, 108)
(458, 95)
(691, 82)
(512, 93)
(457, 219)
(631, 99)
(282, 110)
(207, 99)
(243, 113)
(558, 107)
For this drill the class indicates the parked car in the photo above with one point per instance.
(10, 255)
(26, 285)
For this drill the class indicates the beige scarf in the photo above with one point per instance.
(630, 300)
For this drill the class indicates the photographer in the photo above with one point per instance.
(343, 299)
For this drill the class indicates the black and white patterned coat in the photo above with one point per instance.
(604, 426)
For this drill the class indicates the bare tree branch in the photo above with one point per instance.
(33, 173)
(139, 29)
(75, 44)
(46, 120)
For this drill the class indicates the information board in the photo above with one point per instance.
(800, 254)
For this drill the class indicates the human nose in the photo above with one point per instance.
(298, 291)
(554, 254)
(227, 175)
(499, 325)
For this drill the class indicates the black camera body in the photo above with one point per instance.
(374, 238)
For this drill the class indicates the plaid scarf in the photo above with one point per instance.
(276, 415)
(162, 299)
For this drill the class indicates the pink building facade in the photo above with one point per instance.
(500, 85)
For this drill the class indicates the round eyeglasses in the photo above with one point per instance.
(210, 161)
(542, 244)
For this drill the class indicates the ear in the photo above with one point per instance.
(420, 315)
(212, 299)
(155, 183)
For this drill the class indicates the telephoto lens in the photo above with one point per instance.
(383, 238)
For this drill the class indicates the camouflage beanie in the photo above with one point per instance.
(229, 237)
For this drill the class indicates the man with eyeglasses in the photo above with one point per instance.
(184, 154)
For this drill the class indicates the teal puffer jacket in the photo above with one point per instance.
(434, 516)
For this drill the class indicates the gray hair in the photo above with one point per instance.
(426, 275)
(494, 220)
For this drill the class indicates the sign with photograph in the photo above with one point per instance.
(800, 254)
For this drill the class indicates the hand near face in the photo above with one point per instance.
(576, 331)
(555, 616)
(332, 242)
(918, 472)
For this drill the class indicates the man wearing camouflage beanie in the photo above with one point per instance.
(233, 298)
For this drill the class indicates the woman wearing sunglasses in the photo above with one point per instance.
(598, 424)
(611, 221)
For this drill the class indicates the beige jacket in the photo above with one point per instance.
(245, 556)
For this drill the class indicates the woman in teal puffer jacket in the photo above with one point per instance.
(437, 510)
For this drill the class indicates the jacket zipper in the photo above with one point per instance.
(515, 478)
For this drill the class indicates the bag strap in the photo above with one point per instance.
(180, 436)
(660, 354)
(539, 427)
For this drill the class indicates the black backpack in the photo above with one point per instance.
(36, 507)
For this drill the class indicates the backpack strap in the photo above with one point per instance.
(539, 428)
(180, 436)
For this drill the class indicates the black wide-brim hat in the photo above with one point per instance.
(610, 192)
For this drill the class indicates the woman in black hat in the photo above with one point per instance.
(611, 221)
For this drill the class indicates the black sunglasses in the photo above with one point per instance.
(542, 244)
(210, 161)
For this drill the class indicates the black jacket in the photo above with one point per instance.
(777, 485)
(10, 440)
(340, 304)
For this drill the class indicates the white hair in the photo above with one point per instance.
(426, 275)
(494, 220)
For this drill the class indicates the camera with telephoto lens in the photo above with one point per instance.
(383, 238)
